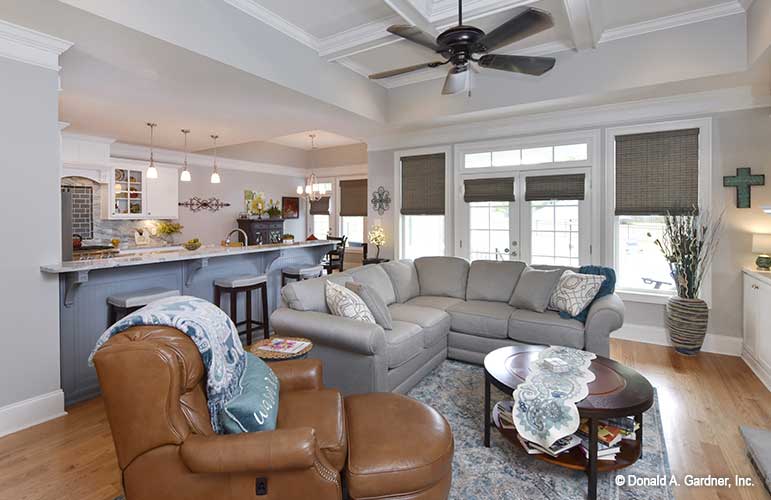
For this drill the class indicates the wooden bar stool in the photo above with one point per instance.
(303, 272)
(125, 303)
(247, 284)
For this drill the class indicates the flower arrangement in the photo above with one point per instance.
(273, 211)
(377, 237)
(688, 243)
(167, 229)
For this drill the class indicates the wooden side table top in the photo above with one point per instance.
(275, 356)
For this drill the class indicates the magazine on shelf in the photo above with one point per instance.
(285, 346)
(560, 446)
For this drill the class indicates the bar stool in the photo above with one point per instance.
(302, 272)
(248, 283)
(124, 303)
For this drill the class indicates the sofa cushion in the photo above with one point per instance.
(321, 410)
(574, 292)
(482, 318)
(493, 280)
(435, 323)
(534, 289)
(374, 302)
(545, 328)
(442, 276)
(376, 278)
(404, 278)
(347, 304)
(403, 342)
(442, 303)
(309, 295)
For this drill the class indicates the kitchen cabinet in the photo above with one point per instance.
(756, 350)
(86, 156)
(131, 195)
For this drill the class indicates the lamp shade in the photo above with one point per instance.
(761, 243)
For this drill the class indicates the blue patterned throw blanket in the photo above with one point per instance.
(545, 403)
(213, 333)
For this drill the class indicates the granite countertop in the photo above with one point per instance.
(160, 255)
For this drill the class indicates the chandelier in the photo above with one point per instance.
(311, 191)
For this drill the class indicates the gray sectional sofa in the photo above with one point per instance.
(441, 307)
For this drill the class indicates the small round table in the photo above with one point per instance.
(617, 391)
(279, 356)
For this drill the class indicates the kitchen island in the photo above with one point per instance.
(85, 285)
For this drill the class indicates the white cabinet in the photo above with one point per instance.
(86, 156)
(131, 195)
(757, 324)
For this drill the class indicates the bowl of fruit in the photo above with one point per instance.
(193, 244)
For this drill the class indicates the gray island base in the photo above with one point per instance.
(85, 285)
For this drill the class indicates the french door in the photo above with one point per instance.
(555, 232)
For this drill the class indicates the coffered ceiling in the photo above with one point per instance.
(353, 33)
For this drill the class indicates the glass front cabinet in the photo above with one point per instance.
(131, 195)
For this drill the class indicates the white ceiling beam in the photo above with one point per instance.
(411, 14)
(585, 25)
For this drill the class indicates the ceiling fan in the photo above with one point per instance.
(462, 46)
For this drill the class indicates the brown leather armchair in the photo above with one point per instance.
(152, 380)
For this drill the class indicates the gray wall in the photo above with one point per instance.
(740, 138)
(30, 214)
(211, 227)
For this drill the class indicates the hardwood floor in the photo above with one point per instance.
(703, 401)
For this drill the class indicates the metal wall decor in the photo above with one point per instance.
(381, 200)
(743, 182)
(196, 204)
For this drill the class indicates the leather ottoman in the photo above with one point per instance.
(398, 448)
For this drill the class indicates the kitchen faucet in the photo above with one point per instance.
(237, 230)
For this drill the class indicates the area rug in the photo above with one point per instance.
(504, 471)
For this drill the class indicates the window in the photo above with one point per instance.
(554, 232)
(423, 235)
(321, 227)
(489, 230)
(353, 228)
(527, 156)
(640, 263)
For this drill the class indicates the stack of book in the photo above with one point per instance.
(286, 346)
(610, 433)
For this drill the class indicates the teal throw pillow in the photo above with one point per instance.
(256, 408)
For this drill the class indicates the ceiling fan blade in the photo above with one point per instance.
(456, 81)
(518, 64)
(415, 35)
(401, 71)
(527, 23)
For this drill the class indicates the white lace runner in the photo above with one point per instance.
(545, 403)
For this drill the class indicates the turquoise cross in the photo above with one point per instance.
(743, 181)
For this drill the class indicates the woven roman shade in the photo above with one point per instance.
(423, 185)
(353, 198)
(320, 207)
(657, 173)
(555, 187)
(493, 189)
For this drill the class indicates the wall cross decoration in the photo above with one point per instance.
(743, 182)
(196, 204)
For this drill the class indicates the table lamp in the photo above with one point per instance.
(761, 244)
(377, 238)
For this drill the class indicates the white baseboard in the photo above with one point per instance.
(759, 369)
(32, 411)
(719, 344)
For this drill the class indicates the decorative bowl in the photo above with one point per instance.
(191, 245)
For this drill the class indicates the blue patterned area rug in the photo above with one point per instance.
(504, 471)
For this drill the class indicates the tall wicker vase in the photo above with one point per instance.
(687, 324)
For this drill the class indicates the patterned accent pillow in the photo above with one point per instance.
(256, 408)
(345, 303)
(575, 291)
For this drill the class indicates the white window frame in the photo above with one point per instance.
(338, 218)
(705, 196)
(332, 206)
(447, 150)
(593, 139)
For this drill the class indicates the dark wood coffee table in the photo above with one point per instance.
(617, 391)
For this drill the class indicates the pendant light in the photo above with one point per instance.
(185, 175)
(152, 172)
(311, 189)
(215, 175)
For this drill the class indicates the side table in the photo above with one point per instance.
(269, 356)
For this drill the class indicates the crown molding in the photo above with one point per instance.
(745, 4)
(133, 152)
(359, 39)
(699, 103)
(664, 23)
(31, 47)
(440, 11)
(257, 11)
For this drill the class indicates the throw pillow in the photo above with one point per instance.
(534, 289)
(256, 408)
(608, 288)
(345, 303)
(374, 302)
(575, 291)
